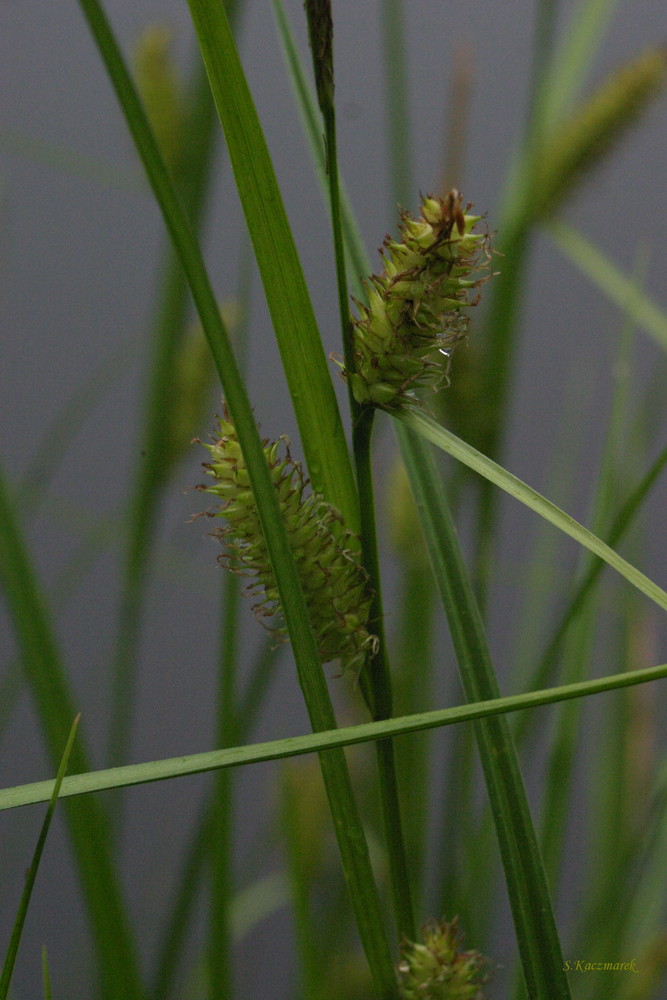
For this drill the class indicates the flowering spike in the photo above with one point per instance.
(437, 970)
(414, 306)
(161, 91)
(335, 585)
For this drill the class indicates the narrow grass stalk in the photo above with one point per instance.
(46, 977)
(179, 919)
(220, 970)
(309, 950)
(534, 923)
(292, 746)
(376, 680)
(96, 539)
(87, 823)
(413, 763)
(320, 28)
(585, 35)
(306, 103)
(495, 474)
(612, 282)
(619, 526)
(376, 685)
(397, 101)
(31, 874)
(287, 297)
(231, 728)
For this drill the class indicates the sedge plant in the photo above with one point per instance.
(398, 868)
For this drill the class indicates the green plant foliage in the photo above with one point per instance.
(456, 806)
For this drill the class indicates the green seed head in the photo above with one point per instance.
(437, 970)
(414, 310)
(335, 584)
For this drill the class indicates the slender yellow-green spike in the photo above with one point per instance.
(587, 135)
(335, 585)
(160, 90)
(415, 306)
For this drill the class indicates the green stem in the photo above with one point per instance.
(180, 919)
(375, 683)
(534, 922)
(396, 88)
(416, 652)
(508, 289)
(329, 116)
(220, 950)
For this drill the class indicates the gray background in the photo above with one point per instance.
(79, 253)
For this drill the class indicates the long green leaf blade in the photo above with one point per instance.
(298, 337)
(19, 923)
(618, 287)
(534, 922)
(88, 824)
(469, 456)
(292, 746)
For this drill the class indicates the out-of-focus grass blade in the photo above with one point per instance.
(582, 141)
(495, 474)
(88, 824)
(155, 456)
(618, 288)
(298, 337)
(76, 410)
(69, 161)
(46, 977)
(159, 770)
(575, 57)
(31, 874)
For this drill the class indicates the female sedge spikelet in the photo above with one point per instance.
(437, 970)
(334, 583)
(414, 306)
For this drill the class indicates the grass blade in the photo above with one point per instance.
(88, 824)
(534, 922)
(298, 337)
(618, 288)
(31, 875)
(585, 34)
(495, 474)
(174, 767)
(620, 525)
(375, 680)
